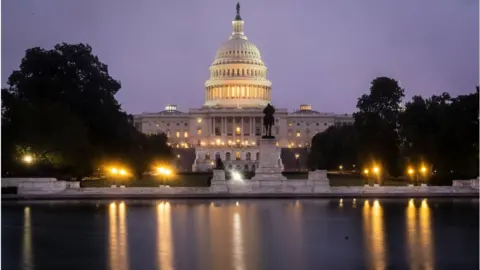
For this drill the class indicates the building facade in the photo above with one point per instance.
(229, 124)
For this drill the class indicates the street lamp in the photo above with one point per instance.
(164, 173)
(118, 172)
(27, 159)
(366, 172)
(376, 171)
(297, 158)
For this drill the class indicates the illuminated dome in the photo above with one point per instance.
(238, 76)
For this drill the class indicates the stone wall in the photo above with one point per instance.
(39, 185)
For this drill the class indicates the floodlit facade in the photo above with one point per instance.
(229, 124)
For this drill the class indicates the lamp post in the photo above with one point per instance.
(376, 171)
(366, 172)
(297, 159)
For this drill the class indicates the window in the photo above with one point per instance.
(217, 132)
(257, 157)
(178, 124)
(227, 156)
(199, 131)
(248, 156)
(298, 124)
(185, 124)
(207, 156)
(185, 134)
(238, 156)
(217, 156)
(237, 131)
(298, 134)
(178, 134)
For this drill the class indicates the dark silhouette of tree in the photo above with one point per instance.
(336, 146)
(377, 124)
(61, 106)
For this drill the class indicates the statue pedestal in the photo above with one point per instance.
(269, 164)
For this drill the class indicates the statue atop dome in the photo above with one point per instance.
(238, 18)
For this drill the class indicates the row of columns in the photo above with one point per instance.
(238, 72)
(238, 91)
(224, 126)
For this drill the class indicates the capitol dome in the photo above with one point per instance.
(238, 76)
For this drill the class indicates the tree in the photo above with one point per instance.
(61, 104)
(443, 131)
(333, 147)
(377, 124)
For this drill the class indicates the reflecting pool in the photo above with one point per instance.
(243, 234)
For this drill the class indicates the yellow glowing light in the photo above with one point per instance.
(411, 171)
(366, 171)
(122, 172)
(218, 141)
(423, 170)
(340, 167)
(376, 170)
(114, 170)
(178, 156)
(28, 159)
(297, 156)
(199, 120)
(211, 163)
(238, 129)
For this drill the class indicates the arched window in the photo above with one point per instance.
(237, 156)
(258, 156)
(227, 156)
(248, 156)
(207, 156)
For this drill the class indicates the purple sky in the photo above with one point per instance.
(320, 52)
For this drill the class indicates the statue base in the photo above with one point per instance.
(268, 137)
(269, 163)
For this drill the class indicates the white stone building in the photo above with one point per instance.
(229, 124)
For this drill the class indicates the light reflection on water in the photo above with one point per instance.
(27, 239)
(164, 237)
(118, 255)
(231, 235)
(419, 236)
(374, 234)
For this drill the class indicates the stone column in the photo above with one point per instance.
(241, 131)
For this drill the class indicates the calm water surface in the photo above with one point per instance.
(244, 234)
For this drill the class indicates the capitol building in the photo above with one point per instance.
(229, 124)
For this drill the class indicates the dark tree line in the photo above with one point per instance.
(60, 107)
(441, 131)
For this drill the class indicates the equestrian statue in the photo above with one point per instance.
(268, 121)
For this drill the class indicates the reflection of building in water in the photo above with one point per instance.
(27, 239)
(229, 124)
(373, 231)
(117, 238)
(164, 237)
(419, 236)
(238, 245)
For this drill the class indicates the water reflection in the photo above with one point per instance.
(238, 253)
(27, 239)
(375, 234)
(164, 237)
(117, 238)
(419, 236)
